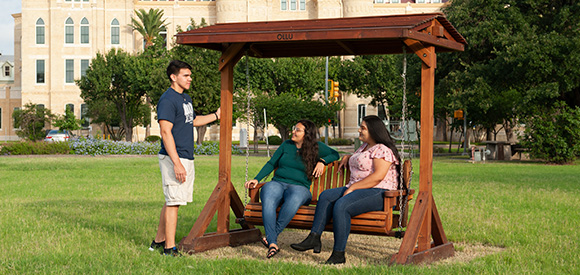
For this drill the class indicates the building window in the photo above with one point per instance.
(40, 31)
(292, 5)
(284, 5)
(69, 31)
(70, 107)
(0, 118)
(84, 31)
(115, 31)
(69, 71)
(6, 70)
(84, 66)
(39, 71)
(362, 112)
(16, 109)
(84, 119)
(420, 1)
(163, 34)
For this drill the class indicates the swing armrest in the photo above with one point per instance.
(395, 193)
(255, 192)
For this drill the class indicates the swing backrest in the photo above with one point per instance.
(333, 178)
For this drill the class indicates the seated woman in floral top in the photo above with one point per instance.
(374, 168)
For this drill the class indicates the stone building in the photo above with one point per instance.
(56, 39)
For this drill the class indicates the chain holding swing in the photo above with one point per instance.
(403, 189)
(248, 113)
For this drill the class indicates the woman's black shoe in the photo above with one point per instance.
(311, 242)
(337, 257)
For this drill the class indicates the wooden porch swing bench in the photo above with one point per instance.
(382, 223)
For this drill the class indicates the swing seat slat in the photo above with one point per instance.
(370, 223)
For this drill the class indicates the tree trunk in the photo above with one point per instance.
(509, 133)
(201, 133)
(283, 132)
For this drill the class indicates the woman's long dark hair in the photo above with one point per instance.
(309, 150)
(379, 134)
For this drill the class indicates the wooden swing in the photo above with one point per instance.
(370, 223)
(422, 34)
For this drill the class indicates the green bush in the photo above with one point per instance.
(35, 148)
(152, 138)
(554, 135)
(274, 140)
(338, 141)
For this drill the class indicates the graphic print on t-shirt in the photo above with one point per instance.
(188, 112)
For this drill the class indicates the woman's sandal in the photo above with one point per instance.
(264, 242)
(272, 251)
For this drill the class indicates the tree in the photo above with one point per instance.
(67, 121)
(520, 55)
(149, 24)
(553, 134)
(119, 79)
(285, 87)
(31, 121)
(285, 110)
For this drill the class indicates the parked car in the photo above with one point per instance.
(57, 135)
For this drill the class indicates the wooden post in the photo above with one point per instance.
(224, 195)
(425, 223)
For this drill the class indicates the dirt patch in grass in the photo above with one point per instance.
(361, 250)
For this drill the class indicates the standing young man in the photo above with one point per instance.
(176, 119)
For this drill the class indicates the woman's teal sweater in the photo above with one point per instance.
(290, 166)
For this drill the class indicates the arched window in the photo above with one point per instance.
(115, 32)
(362, 112)
(69, 31)
(84, 118)
(40, 31)
(70, 107)
(163, 33)
(84, 31)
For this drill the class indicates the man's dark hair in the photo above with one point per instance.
(175, 66)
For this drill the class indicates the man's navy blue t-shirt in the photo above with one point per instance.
(178, 109)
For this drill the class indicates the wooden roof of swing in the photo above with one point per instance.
(329, 37)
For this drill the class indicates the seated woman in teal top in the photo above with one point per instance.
(298, 161)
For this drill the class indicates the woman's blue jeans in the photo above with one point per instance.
(332, 205)
(289, 197)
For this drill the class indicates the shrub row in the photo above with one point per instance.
(213, 148)
(338, 141)
(95, 147)
(35, 148)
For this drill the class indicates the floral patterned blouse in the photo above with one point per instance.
(361, 165)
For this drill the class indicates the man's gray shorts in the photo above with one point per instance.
(176, 193)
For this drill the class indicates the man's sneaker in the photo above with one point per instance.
(155, 245)
(171, 252)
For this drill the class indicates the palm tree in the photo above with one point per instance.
(149, 24)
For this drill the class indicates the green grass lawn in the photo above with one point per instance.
(98, 215)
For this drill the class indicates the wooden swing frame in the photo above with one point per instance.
(423, 34)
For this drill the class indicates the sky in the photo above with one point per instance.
(8, 7)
